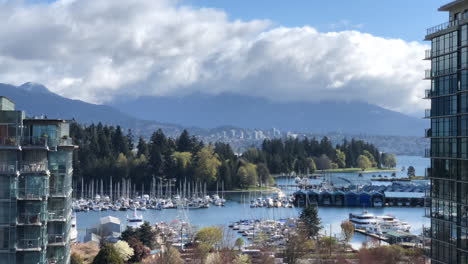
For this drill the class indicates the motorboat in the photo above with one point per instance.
(135, 220)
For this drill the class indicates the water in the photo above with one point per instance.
(236, 209)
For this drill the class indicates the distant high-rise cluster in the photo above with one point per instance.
(35, 188)
(448, 234)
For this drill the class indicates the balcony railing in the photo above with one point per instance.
(427, 153)
(57, 238)
(427, 113)
(427, 93)
(9, 141)
(59, 215)
(428, 54)
(8, 166)
(38, 141)
(33, 193)
(31, 218)
(66, 142)
(428, 132)
(427, 74)
(31, 166)
(60, 190)
(32, 243)
(446, 25)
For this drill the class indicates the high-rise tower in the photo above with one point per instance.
(449, 136)
(35, 188)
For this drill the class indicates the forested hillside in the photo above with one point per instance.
(106, 151)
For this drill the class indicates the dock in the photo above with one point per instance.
(364, 232)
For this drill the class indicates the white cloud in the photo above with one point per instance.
(99, 50)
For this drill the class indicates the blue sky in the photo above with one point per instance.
(405, 19)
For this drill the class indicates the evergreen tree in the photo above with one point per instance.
(107, 254)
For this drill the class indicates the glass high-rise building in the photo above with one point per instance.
(35, 188)
(449, 136)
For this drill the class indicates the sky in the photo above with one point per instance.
(301, 50)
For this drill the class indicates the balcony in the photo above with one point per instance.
(30, 244)
(34, 167)
(427, 113)
(428, 54)
(31, 218)
(60, 191)
(41, 142)
(59, 215)
(57, 239)
(446, 25)
(65, 141)
(38, 193)
(428, 172)
(8, 167)
(9, 142)
(428, 93)
(428, 133)
(427, 74)
(427, 153)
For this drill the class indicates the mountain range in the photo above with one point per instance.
(202, 113)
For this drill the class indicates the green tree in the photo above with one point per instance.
(340, 158)
(239, 243)
(264, 174)
(363, 162)
(184, 142)
(209, 236)
(146, 235)
(389, 160)
(142, 148)
(310, 220)
(323, 162)
(297, 246)
(411, 171)
(310, 165)
(370, 157)
(128, 233)
(206, 165)
(107, 254)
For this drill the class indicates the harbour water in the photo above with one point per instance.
(237, 208)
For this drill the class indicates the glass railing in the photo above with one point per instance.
(57, 238)
(427, 113)
(39, 141)
(33, 193)
(65, 142)
(446, 25)
(59, 215)
(31, 218)
(60, 190)
(427, 153)
(34, 166)
(8, 166)
(428, 132)
(428, 54)
(30, 243)
(427, 74)
(427, 93)
(9, 141)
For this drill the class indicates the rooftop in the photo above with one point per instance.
(451, 5)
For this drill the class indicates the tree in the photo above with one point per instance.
(146, 235)
(214, 258)
(124, 250)
(239, 243)
(340, 158)
(323, 162)
(242, 259)
(139, 250)
(363, 162)
(310, 220)
(76, 259)
(142, 148)
(206, 165)
(107, 254)
(209, 236)
(128, 233)
(347, 229)
(171, 256)
(371, 158)
(411, 171)
(310, 165)
(297, 246)
(389, 160)
(264, 174)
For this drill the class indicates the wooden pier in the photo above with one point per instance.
(364, 232)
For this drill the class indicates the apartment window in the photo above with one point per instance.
(464, 35)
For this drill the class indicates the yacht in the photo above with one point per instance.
(389, 223)
(73, 230)
(135, 220)
(363, 220)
